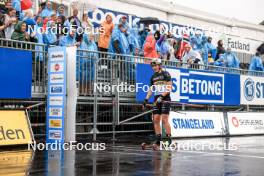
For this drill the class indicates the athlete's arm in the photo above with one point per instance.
(168, 89)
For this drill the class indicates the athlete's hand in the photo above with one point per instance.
(159, 100)
(145, 103)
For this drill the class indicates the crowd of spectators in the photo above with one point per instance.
(52, 27)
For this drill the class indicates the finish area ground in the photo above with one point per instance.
(193, 157)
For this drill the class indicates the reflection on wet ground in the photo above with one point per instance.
(214, 156)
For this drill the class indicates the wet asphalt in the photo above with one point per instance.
(192, 157)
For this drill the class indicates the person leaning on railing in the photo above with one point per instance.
(20, 33)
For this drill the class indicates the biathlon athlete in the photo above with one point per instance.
(161, 85)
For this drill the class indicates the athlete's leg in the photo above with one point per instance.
(156, 121)
(166, 124)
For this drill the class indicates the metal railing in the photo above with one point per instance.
(104, 111)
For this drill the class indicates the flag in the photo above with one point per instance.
(185, 40)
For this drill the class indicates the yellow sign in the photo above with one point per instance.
(55, 123)
(14, 128)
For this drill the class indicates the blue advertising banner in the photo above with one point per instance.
(193, 86)
(56, 99)
(15, 74)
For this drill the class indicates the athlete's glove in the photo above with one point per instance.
(145, 103)
(159, 100)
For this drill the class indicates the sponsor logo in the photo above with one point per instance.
(55, 134)
(55, 123)
(192, 123)
(56, 101)
(57, 67)
(58, 89)
(249, 89)
(235, 122)
(57, 56)
(56, 78)
(55, 112)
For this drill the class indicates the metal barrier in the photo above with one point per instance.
(100, 110)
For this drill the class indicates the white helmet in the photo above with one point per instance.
(156, 62)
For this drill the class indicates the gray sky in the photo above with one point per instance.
(246, 10)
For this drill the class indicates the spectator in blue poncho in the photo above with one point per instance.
(17, 5)
(196, 41)
(39, 35)
(210, 47)
(256, 63)
(50, 37)
(119, 42)
(61, 10)
(47, 11)
(69, 39)
(229, 59)
(88, 53)
(134, 41)
(125, 25)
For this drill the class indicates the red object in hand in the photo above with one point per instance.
(26, 4)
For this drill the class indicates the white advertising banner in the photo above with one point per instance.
(252, 90)
(192, 124)
(246, 123)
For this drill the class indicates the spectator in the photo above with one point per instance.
(125, 25)
(150, 47)
(119, 43)
(196, 41)
(87, 25)
(47, 10)
(256, 63)
(39, 35)
(104, 37)
(53, 17)
(61, 29)
(16, 4)
(74, 22)
(69, 40)
(2, 25)
(61, 10)
(20, 33)
(134, 40)
(4, 6)
(191, 56)
(28, 18)
(220, 49)
(50, 37)
(10, 21)
(229, 59)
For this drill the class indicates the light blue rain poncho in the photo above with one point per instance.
(39, 36)
(85, 65)
(204, 50)
(46, 12)
(229, 59)
(196, 42)
(50, 37)
(134, 40)
(256, 64)
(16, 4)
(68, 40)
(125, 25)
(123, 43)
